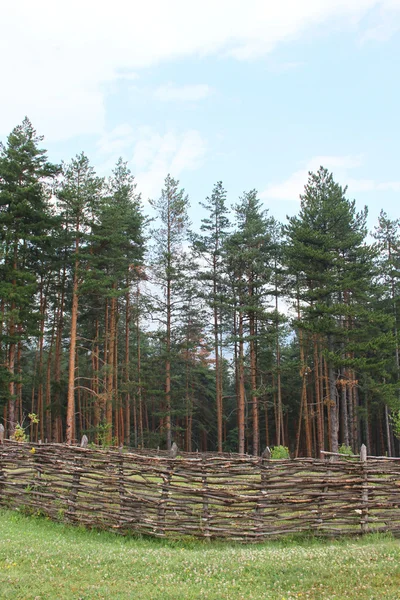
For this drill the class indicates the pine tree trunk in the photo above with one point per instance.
(70, 429)
(218, 389)
(11, 374)
(388, 437)
(110, 373)
(343, 406)
(318, 400)
(127, 371)
(95, 374)
(354, 394)
(254, 397)
(138, 411)
(278, 373)
(304, 402)
(19, 407)
(57, 424)
(333, 404)
(168, 370)
(241, 391)
(49, 431)
(11, 355)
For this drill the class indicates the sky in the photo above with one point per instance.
(253, 93)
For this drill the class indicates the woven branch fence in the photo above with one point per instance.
(208, 496)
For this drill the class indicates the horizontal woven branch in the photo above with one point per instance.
(236, 497)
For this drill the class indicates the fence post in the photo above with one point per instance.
(322, 500)
(121, 487)
(364, 490)
(265, 458)
(37, 465)
(1, 433)
(84, 441)
(166, 477)
(74, 487)
(2, 476)
(205, 515)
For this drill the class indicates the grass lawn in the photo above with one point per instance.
(44, 560)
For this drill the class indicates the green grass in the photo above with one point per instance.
(43, 560)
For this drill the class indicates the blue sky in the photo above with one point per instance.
(251, 93)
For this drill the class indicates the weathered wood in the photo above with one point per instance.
(2, 477)
(162, 510)
(73, 496)
(267, 453)
(364, 493)
(1, 433)
(205, 514)
(84, 441)
(174, 451)
(207, 495)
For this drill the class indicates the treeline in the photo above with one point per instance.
(142, 332)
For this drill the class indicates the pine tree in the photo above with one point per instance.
(167, 267)
(25, 221)
(209, 247)
(248, 257)
(117, 249)
(332, 264)
(79, 197)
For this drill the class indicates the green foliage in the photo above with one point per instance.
(178, 347)
(279, 452)
(395, 419)
(20, 434)
(103, 435)
(346, 450)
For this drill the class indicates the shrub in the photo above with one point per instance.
(346, 450)
(279, 452)
(20, 434)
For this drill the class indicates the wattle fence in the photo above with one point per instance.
(235, 497)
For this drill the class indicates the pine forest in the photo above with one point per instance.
(237, 334)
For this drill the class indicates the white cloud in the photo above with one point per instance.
(152, 154)
(369, 185)
(62, 57)
(294, 185)
(291, 189)
(116, 141)
(155, 155)
(184, 93)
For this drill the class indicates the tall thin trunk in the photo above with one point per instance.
(354, 394)
(241, 391)
(218, 390)
(388, 436)
(70, 429)
(138, 418)
(49, 432)
(127, 371)
(318, 399)
(367, 424)
(168, 369)
(278, 370)
(110, 369)
(57, 424)
(344, 421)
(95, 373)
(12, 355)
(304, 375)
(18, 405)
(332, 403)
(254, 397)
